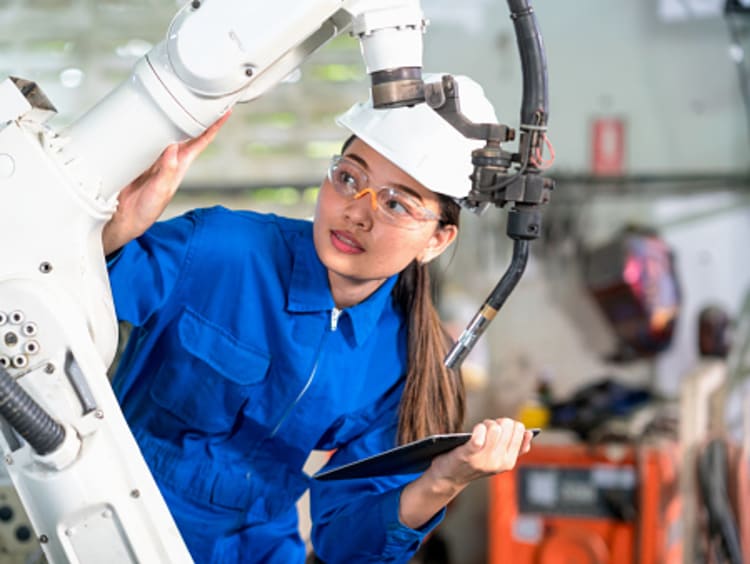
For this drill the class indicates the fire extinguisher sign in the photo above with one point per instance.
(608, 147)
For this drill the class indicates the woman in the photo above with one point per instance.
(258, 338)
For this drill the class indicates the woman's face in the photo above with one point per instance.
(360, 249)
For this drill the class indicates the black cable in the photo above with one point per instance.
(494, 302)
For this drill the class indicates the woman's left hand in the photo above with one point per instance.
(494, 447)
(142, 202)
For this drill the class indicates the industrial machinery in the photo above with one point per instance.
(616, 504)
(69, 453)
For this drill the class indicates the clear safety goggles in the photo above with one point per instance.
(393, 205)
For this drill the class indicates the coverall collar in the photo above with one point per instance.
(309, 291)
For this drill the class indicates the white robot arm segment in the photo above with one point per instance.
(220, 52)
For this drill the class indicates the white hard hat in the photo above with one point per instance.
(420, 142)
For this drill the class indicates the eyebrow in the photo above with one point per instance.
(363, 163)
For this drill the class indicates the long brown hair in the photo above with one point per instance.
(433, 400)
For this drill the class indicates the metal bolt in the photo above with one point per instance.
(195, 4)
(135, 494)
(44, 539)
(45, 267)
(49, 368)
(11, 339)
(8, 459)
(249, 71)
(99, 414)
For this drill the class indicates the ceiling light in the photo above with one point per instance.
(135, 48)
(71, 77)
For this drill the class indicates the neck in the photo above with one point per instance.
(348, 292)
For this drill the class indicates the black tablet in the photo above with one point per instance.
(404, 459)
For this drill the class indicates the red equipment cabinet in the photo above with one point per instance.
(576, 504)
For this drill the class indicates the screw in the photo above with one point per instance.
(195, 4)
(44, 539)
(249, 71)
(45, 267)
(49, 368)
(135, 494)
(20, 361)
(99, 414)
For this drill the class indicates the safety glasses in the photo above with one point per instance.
(393, 205)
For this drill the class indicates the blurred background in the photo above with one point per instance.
(626, 339)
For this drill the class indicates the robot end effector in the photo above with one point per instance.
(221, 52)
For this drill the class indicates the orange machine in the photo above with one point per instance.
(577, 504)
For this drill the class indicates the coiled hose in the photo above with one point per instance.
(27, 417)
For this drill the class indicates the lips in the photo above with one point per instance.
(346, 243)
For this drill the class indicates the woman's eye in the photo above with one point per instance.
(396, 206)
(348, 180)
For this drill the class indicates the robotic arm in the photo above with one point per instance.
(67, 447)
(68, 450)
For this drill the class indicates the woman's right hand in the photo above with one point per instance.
(142, 201)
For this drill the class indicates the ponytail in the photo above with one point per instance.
(433, 400)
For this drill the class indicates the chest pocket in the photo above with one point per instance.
(209, 376)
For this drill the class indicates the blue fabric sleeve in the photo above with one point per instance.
(145, 271)
(357, 520)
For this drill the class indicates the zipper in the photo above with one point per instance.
(335, 314)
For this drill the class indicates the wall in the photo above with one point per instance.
(674, 84)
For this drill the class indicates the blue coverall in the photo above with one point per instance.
(237, 367)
